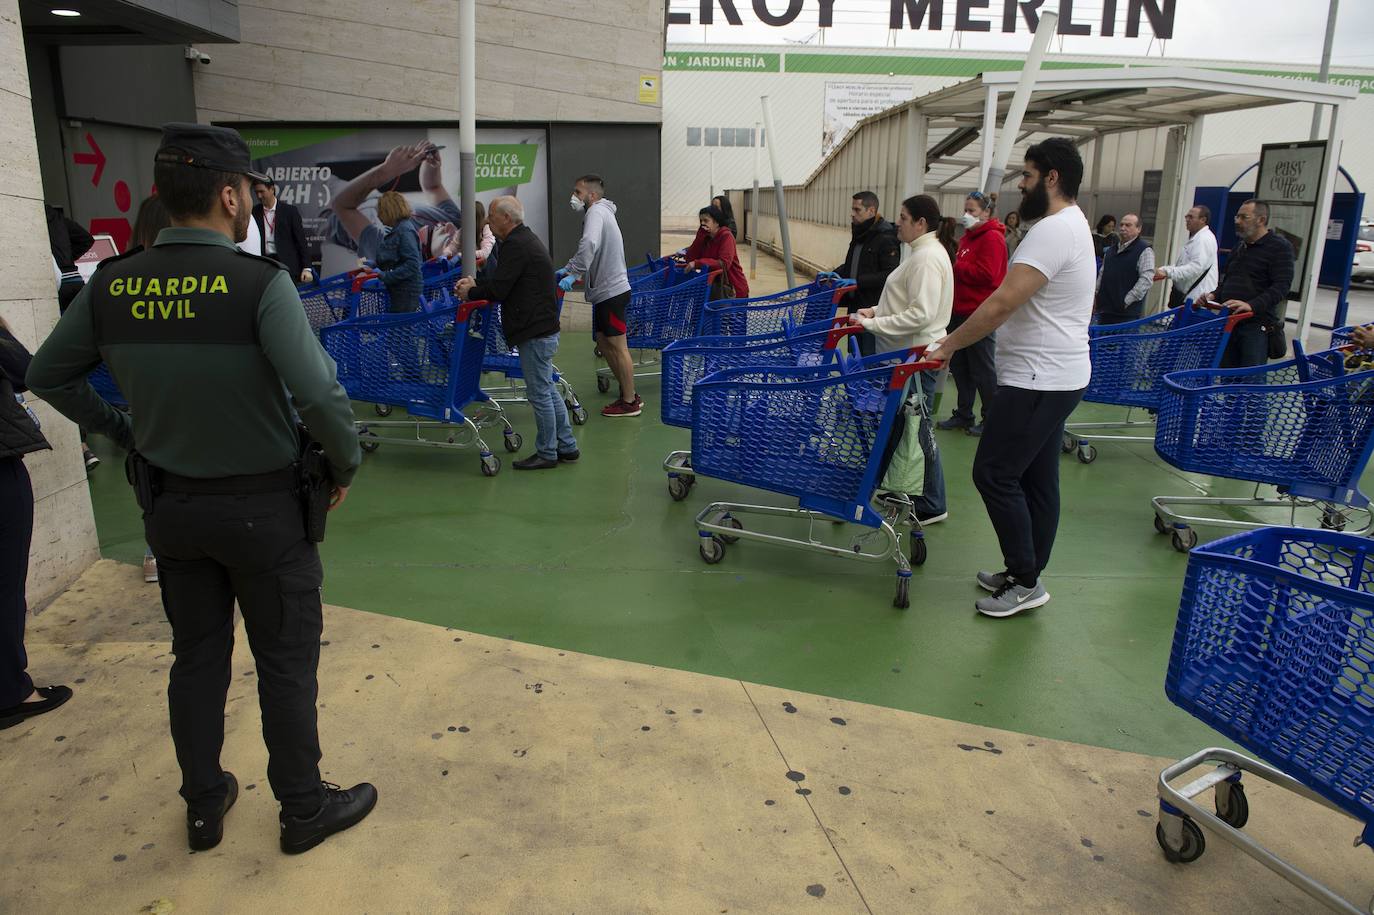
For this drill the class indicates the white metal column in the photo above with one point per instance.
(1317, 242)
(989, 135)
(917, 142)
(467, 131)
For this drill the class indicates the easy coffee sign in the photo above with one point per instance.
(1007, 16)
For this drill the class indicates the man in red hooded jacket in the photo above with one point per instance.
(979, 268)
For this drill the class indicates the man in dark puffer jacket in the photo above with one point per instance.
(874, 252)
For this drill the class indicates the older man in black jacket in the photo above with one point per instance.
(1258, 278)
(874, 251)
(523, 284)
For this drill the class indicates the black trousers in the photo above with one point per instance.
(974, 369)
(212, 550)
(1249, 345)
(16, 532)
(1016, 470)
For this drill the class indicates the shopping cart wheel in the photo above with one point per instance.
(596, 351)
(918, 551)
(513, 441)
(1193, 843)
(1068, 443)
(382, 409)
(1235, 812)
(712, 550)
(578, 414)
(603, 384)
(369, 443)
(727, 539)
(1086, 454)
(1184, 539)
(903, 599)
(1332, 520)
(678, 487)
(1160, 526)
(491, 465)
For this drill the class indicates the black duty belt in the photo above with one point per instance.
(284, 480)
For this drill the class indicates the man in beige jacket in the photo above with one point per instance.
(914, 310)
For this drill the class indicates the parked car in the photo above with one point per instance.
(1362, 271)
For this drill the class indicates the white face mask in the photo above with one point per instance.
(576, 203)
(969, 220)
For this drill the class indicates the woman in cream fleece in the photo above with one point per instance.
(918, 298)
(914, 310)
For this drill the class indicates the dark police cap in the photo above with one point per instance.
(203, 146)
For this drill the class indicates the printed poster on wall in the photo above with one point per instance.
(311, 165)
(1289, 174)
(846, 104)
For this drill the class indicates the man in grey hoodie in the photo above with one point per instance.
(600, 262)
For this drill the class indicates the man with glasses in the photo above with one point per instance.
(1258, 278)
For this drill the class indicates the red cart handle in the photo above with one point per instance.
(902, 374)
(467, 308)
(363, 277)
(841, 293)
(842, 330)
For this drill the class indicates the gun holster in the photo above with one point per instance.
(145, 479)
(316, 485)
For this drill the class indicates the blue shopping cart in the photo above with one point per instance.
(333, 298)
(1305, 425)
(428, 362)
(104, 384)
(1274, 648)
(815, 301)
(819, 433)
(651, 265)
(1130, 360)
(504, 359)
(659, 315)
(688, 361)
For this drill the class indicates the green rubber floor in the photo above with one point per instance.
(595, 557)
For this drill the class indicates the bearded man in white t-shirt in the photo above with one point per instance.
(1041, 314)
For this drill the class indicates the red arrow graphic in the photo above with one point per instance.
(96, 158)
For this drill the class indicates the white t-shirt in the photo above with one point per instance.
(1043, 346)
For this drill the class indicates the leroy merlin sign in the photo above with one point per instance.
(505, 164)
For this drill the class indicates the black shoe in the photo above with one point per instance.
(340, 810)
(954, 422)
(53, 697)
(569, 457)
(534, 462)
(204, 832)
(91, 461)
(975, 430)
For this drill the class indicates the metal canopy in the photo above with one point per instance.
(954, 128)
(1088, 103)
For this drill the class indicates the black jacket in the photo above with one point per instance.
(1260, 274)
(879, 255)
(18, 434)
(292, 249)
(67, 239)
(523, 284)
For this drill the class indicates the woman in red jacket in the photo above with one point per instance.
(715, 243)
(980, 265)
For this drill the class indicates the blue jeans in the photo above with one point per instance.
(932, 499)
(554, 432)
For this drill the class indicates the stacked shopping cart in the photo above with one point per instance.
(1304, 425)
(430, 363)
(1129, 362)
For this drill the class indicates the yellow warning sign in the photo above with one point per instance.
(648, 90)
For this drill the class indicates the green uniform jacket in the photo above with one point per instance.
(212, 348)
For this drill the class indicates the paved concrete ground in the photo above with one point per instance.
(521, 779)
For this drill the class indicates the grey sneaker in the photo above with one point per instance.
(1012, 598)
(993, 581)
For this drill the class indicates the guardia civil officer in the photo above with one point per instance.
(207, 342)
